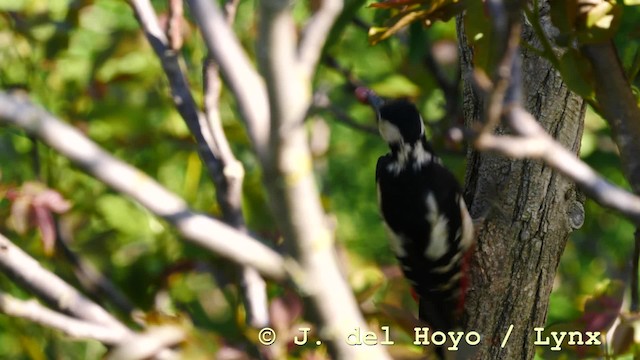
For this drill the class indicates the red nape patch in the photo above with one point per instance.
(464, 281)
(415, 295)
(362, 94)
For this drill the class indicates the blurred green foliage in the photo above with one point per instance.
(87, 62)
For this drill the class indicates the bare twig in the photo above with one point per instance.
(199, 229)
(174, 25)
(315, 34)
(229, 186)
(322, 102)
(182, 98)
(33, 311)
(534, 142)
(26, 271)
(502, 83)
(352, 81)
(237, 71)
(617, 104)
(344, 118)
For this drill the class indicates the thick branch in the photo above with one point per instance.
(50, 288)
(616, 103)
(292, 190)
(199, 229)
(237, 71)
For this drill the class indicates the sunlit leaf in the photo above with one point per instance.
(410, 11)
(600, 24)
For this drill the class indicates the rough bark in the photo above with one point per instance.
(527, 210)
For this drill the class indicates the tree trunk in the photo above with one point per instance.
(528, 210)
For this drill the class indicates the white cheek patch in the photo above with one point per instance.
(438, 242)
(389, 132)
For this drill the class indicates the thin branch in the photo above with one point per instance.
(149, 344)
(174, 24)
(197, 228)
(237, 71)
(315, 34)
(26, 271)
(90, 278)
(181, 93)
(352, 81)
(225, 171)
(32, 310)
(534, 142)
(617, 104)
(322, 102)
(344, 118)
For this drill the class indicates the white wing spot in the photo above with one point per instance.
(438, 242)
(467, 226)
(421, 156)
(389, 132)
(396, 242)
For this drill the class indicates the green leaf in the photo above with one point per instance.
(577, 74)
(410, 11)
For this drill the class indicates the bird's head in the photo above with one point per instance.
(399, 121)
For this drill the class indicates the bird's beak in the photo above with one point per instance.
(375, 101)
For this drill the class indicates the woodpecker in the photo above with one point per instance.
(424, 213)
